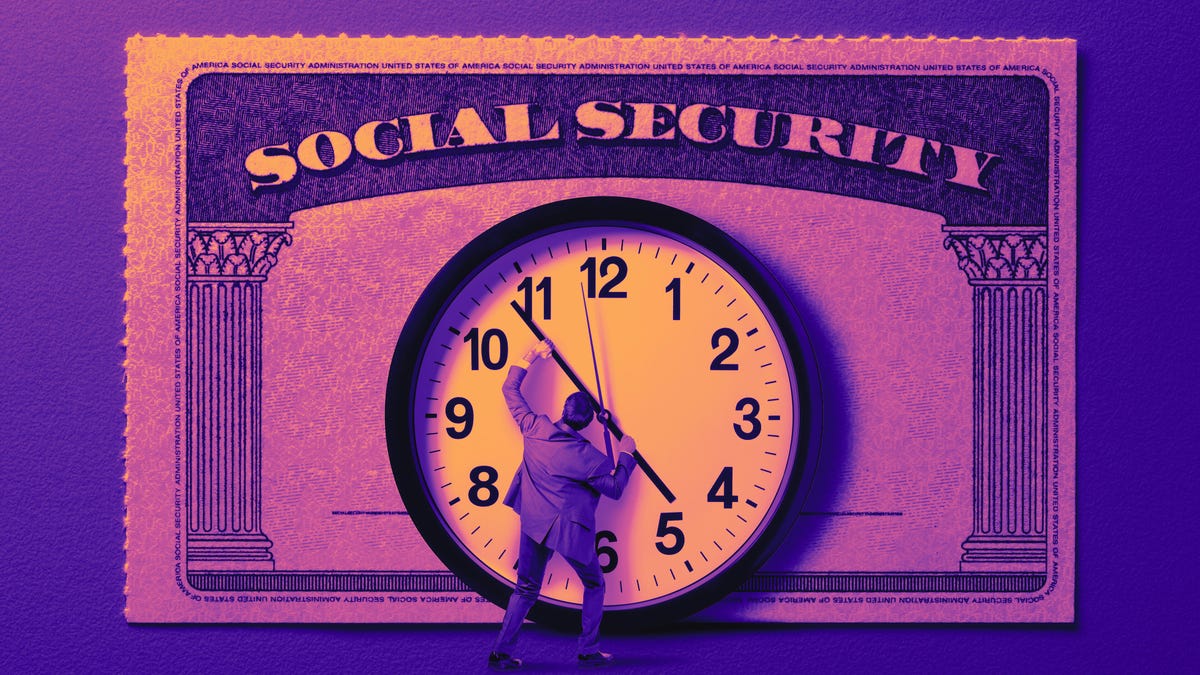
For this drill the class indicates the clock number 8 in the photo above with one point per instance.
(608, 551)
(483, 490)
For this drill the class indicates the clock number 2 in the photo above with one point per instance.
(607, 551)
(666, 529)
(718, 362)
(607, 290)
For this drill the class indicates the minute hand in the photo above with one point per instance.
(612, 426)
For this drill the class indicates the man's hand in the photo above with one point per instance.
(540, 350)
(627, 445)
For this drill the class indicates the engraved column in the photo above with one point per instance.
(227, 265)
(1006, 267)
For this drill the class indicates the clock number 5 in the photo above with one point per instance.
(666, 529)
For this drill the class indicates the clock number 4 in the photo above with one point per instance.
(618, 275)
(666, 529)
(722, 490)
(492, 349)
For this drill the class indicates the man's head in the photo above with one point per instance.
(577, 411)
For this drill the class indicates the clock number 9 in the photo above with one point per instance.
(493, 336)
(483, 480)
(466, 418)
(608, 551)
(751, 417)
(666, 529)
(718, 362)
(606, 291)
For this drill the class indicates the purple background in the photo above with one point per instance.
(61, 217)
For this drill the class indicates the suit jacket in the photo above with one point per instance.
(562, 475)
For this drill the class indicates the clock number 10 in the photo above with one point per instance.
(492, 349)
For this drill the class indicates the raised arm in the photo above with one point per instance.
(517, 405)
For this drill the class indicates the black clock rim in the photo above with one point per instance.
(546, 219)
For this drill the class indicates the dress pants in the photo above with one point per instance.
(531, 567)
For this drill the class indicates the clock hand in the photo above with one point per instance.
(611, 425)
(596, 369)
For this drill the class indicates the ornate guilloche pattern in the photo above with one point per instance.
(850, 370)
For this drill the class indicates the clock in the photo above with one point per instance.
(700, 356)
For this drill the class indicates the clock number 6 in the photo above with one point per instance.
(608, 551)
(666, 529)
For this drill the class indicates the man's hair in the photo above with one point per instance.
(577, 411)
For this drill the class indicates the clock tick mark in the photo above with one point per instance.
(431, 433)
(753, 504)
(568, 584)
(672, 573)
(731, 302)
(768, 452)
(656, 252)
(465, 316)
(760, 348)
(742, 519)
(620, 586)
(568, 247)
(718, 289)
(639, 583)
(585, 247)
(673, 258)
(689, 268)
(489, 290)
(533, 258)
(768, 363)
(751, 332)
(455, 330)
(603, 243)
(448, 485)
(743, 316)
(772, 435)
(431, 416)
(703, 556)
(434, 452)
(622, 244)
(772, 400)
(639, 248)
(438, 469)
(551, 252)
(464, 515)
(455, 501)
(502, 554)
(719, 548)
(770, 381)
(760, 487)
(489, 541)
(764, 470)
(773, 418)
(443, 365)
(503, 278)
(517, 267)
(476, 529)
(430, 398)
(731, 533)
(655, 577)
(476, 302)
(446, 346)
(435, 381)
(688, 565)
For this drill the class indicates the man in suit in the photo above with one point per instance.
(556, 492)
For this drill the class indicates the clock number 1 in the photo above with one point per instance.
(666, 529)
(674, 289)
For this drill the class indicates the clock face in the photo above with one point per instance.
(700, 359)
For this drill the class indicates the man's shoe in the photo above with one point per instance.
(595, 660)
(497, 661)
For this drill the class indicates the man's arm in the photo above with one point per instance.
(517, 406)
(612, 485)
